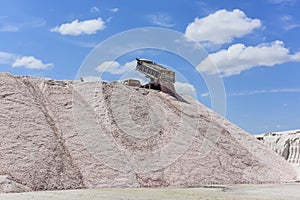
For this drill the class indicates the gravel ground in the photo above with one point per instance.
(232, 192)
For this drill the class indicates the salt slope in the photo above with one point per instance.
(7, 185)
(286, 144)
(64, 134)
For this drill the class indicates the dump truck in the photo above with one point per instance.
(160, 77)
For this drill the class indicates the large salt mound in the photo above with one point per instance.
(64, 134)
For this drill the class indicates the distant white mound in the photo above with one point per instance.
(286, 144)
(68, 135)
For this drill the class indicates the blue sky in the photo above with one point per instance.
(255, 45)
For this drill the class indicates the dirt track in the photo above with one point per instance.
(245, 192)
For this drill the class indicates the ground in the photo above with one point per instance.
(232, 192)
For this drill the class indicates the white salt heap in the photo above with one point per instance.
(67, 135)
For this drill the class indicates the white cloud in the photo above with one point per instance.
(255, 92)
(9, 28)
(126, 71)
(238, 58)
(185, 88)
(7, 58)
(221, 27)
(85, 44)
(114, 10)
(90, 78)
(291, 26)
(77, 27)
(161, 19)
(288, 22)
(114, 67)
(133, 74)
(28, 22)
(30, 62)
(35, 22)
(282, 1)
(205, 94)
(94, 9)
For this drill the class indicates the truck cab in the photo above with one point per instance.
(132, 82)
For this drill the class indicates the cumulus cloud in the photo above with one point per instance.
(221, 27)
(185, 88)
(30, 62)
(238, 58)
(77, 27)
(113, 67)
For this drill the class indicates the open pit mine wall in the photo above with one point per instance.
(286, 144)
(69, 135)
